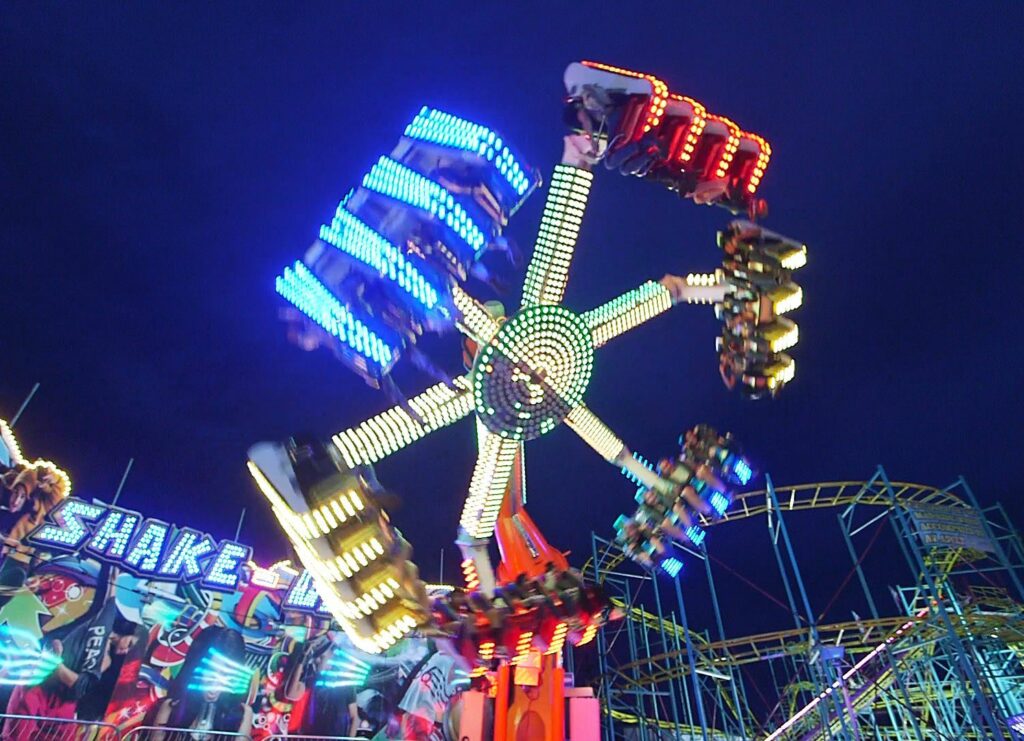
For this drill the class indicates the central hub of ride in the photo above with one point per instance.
(534, 371)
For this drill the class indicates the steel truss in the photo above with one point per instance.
(948, 665)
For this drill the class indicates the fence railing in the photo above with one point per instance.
(37, 728)
(166, 733)
(292, 736)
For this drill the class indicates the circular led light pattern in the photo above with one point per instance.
(534, 371)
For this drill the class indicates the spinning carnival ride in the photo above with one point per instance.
(396, 262)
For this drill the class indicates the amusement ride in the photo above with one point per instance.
(401, 258)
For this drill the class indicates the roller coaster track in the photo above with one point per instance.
(1008, 628)
(857, 637)
(799, 497)
(830, 494)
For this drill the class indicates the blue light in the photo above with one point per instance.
(442, 128)
(23, 661)
(68, 529)
(182, 560)
(743, 471)
(302, 594)
(350, 235)
(344, 670)
(672, 566)
(719, 502)
(696, 534)
(144, 555)
(397, 181)
(114, 533)
(217, 673)
(301, 288)
(642, 461)
(225, 571)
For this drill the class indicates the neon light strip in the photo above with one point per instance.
(852, 670)
(491, 476)
(659, 97)
(302, 289)
(762, 161)
(595, 433)
(7, 435)
(588, 634)
(442, 128)
(474, 319)
(731, 145)
(557, 639)
(397, 181)
(353, 237)
(628, 311)
(696, 127)
(390, 431)
(548, 274)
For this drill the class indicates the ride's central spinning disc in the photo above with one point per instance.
(534, 371)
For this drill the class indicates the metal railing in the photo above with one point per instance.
(291, 736)
(38, 728)
(165, 733)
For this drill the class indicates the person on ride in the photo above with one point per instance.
(205, 711)
(86, 654)
(315, 708)
(659, 522)
(681, 473)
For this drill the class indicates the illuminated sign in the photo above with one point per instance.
(151, 548)
(144, 547)
(303, 597)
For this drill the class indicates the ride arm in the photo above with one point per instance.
(566, 201)
(609, 446)
(391, 430)
(499, 463)
(642, 304)
(495, 467)
(473, 319)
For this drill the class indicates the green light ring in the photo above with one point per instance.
(538, 337)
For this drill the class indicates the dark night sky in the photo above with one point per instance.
(160, 163)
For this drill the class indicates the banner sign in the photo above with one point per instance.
(953, 527)
(166, 625)
(151, 548)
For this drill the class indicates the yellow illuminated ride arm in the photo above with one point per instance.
(390, 431)
(642, 304)
(627, 311)
(495, 467)
(566, 202)
(474, 320)
(437, 407)
(609, 446)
